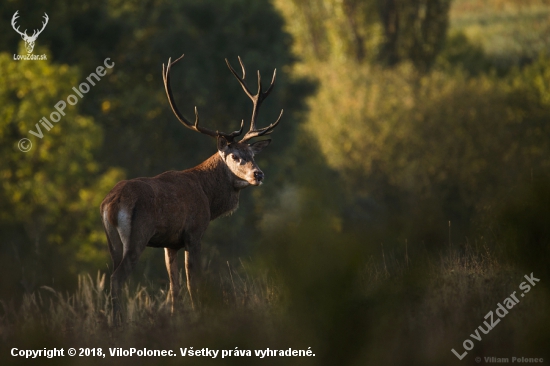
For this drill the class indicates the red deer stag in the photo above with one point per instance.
(173, 209)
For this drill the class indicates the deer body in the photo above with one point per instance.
(171, 197)
(173, 210)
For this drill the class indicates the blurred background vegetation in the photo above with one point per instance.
(407, 190)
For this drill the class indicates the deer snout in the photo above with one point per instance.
(259, 176)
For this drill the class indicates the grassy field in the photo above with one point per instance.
(509, 31)
(407, 311)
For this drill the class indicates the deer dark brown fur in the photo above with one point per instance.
(173, 209)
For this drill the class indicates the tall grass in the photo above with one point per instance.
(420, 306)
(85, 314)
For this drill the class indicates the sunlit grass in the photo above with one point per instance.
(422, 304)
(507, 30)
(86, 312)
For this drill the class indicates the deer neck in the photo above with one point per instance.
(220, 185)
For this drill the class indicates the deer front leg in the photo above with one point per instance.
(171, 259)
(192, 270)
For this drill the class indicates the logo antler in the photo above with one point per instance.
(29, 40)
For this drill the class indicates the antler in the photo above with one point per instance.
(24, 34)
(35, 34)
(257, 100)
(193, 126)
(13, 20)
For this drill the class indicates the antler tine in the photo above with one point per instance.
(257, 100)
(272, 83)
(239, 79)
(168, 89)
(193, 126)
(259, 84)
(14, 20)
(263, 131)
(45, 22)
(242, 66)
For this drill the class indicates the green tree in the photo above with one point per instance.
(140, 133)
(414, 30)
(49, 194)
(386, 31)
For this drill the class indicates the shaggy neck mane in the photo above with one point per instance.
(218, 183)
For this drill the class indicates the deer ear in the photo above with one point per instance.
(259, 146)
(222, 143)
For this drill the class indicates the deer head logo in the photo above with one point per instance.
(29, 40)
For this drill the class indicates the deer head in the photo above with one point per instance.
(29, 40)
(237, 155)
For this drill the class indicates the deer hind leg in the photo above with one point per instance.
(116, 249)
(133, 242)
(113, 239)
(171, 259)
(192, 270)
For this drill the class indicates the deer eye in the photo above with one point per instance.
(235, 157)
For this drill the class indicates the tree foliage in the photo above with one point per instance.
(414, 30)
(438, 137)
(49, 195)
(387, 31)
(126, 122)
(389, 153)
(435, 148)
